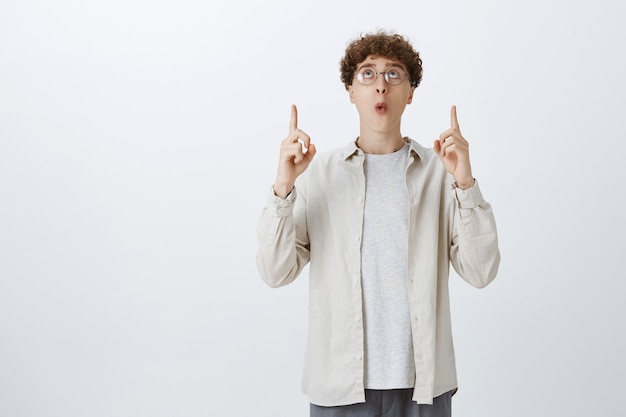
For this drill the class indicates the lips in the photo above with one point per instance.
(380, 107)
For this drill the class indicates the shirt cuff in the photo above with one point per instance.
(469, 198)
(281, 207)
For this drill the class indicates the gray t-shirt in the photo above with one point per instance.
(384, 268)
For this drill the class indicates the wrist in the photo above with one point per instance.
(465, 183)
(282, 190)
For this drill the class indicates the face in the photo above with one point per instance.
(380, 104)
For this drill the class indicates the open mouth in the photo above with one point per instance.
(380, 107)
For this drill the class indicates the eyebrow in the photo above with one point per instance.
(371, 65)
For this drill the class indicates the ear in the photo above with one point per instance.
(351, 93)
(410, 99)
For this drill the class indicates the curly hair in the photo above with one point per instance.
(382, 44)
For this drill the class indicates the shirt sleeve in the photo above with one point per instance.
(283, 248)
(474, 251)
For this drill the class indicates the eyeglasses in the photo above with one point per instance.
(393, 75)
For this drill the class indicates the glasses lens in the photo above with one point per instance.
(394, 75)
(366, 76)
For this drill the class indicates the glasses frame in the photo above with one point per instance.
(385, 74)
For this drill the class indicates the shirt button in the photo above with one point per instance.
(358, 238)
(360, 199)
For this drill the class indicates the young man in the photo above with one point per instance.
(380, 221)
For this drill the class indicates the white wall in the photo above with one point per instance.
(138, 140)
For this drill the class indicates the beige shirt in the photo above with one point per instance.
(321, 222)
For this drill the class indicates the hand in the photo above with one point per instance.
(453, 150)
(296, 153)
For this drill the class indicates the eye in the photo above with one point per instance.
(394, 73)
(367, 74)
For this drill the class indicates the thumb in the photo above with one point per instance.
(310, 152)
(437, 146)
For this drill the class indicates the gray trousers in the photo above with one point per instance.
(389, 403)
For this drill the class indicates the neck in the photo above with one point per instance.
(380, 144)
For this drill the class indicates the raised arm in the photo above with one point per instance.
(474, 252)
(282, 232)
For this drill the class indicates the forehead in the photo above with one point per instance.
(379, 61)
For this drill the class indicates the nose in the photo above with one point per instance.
(381, 84)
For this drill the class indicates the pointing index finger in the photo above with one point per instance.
(293, 122)
(454, 122)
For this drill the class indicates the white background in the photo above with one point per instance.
(138, 141)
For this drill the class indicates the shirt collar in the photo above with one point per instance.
(351, 149)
